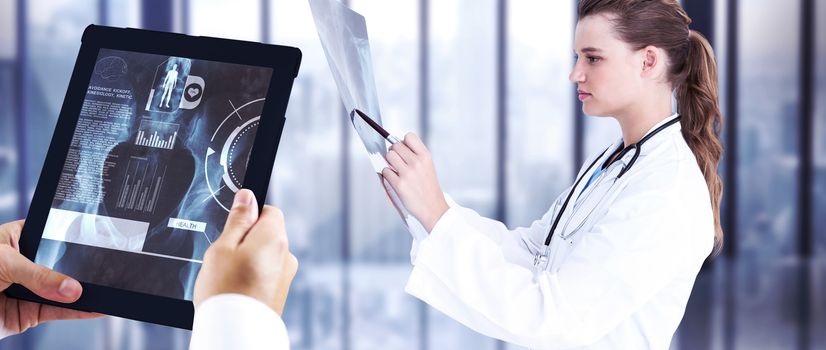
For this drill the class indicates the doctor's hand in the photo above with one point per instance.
(413, 175)
(251, 257)
(19, 315)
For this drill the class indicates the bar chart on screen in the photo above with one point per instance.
(141, 185)
(157, 134)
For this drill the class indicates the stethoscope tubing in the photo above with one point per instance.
(636, 147)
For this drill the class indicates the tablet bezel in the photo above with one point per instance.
(124, 303)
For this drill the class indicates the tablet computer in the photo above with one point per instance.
(156, 133)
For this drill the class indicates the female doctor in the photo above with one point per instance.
(612, 262)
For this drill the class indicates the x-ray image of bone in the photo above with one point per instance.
(375, 144)
(343, 34)
(169, 85)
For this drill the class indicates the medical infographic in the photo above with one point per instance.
(160, 148)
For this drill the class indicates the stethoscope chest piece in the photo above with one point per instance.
(542, 259)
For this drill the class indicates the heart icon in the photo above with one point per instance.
(192, 92)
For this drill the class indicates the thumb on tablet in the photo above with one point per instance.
(242, 216)
(46, 283)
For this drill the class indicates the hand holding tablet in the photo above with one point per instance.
(252, 244)
(251, 258)
(157, 133)
(19, 315)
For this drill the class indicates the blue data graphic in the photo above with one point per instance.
(229, 150)
(161, 146)
(157, 134)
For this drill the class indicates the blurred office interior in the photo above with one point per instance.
(485, 83)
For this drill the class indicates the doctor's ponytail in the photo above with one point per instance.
(692, 72)
(697, 102)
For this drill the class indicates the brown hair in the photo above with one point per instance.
(692, 71)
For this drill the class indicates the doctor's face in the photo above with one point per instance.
(607, 70)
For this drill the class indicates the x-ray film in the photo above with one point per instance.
(343, 34)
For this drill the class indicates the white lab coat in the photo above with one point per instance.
(235, 321)
(621, 282)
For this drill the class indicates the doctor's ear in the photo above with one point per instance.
(653, 64)
(651, 57)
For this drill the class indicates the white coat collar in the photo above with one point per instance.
(646, 148)
(651, 143)
(674, 128)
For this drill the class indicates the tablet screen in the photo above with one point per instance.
(160, 147)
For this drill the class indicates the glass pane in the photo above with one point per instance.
(767, 203)
(820, 130)
(382, 314)
(314, 313)
(721, 24)
(307, 185)
(239, 19)
(540, 107)
(819, 187)
(8, 29)
(8, 145)
(462, 135)
(720, 42)
(123, 13)
(463, 99)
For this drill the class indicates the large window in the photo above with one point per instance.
(768, 166)
(238, 19)
(121, 13)
(819, 187)
(8, 100)
(540, 107)
(8, 146)
(8, 30)
(462, 135)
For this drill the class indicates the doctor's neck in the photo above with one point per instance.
(638, 119)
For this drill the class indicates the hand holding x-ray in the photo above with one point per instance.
(343, 34)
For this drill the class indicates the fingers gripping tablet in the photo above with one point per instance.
(157, 134)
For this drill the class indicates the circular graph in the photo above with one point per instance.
(229, 150)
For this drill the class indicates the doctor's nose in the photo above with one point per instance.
(576, 76)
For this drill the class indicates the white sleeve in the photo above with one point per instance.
(235, 321)
(519, 245)
(631, 254)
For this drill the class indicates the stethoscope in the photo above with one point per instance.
(541, 259)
